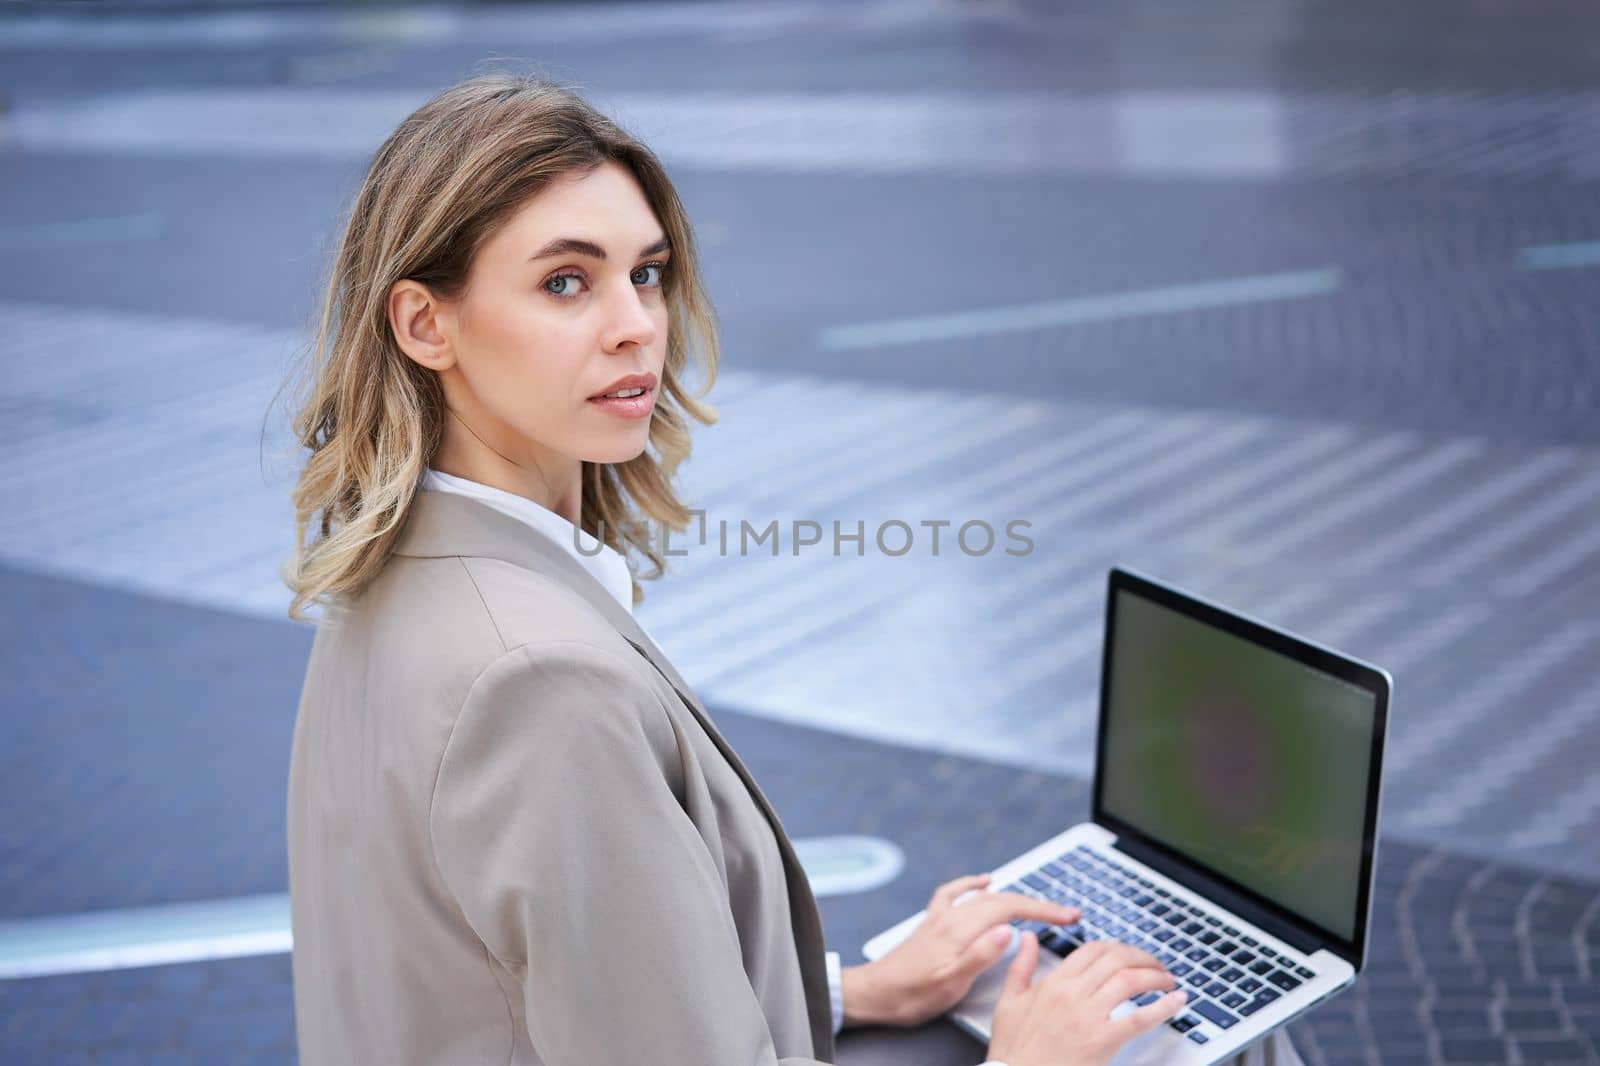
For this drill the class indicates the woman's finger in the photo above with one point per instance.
(1128, 982)
(996, 907)
(985, 951)
(946, 893)
(1145, 1018)
(1020, 973)
(1118, 957)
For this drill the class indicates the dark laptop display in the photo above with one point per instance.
(1244, 751)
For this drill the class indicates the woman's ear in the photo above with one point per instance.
(417, 320)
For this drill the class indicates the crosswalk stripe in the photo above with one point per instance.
(1458, 798)
(1422, 527)
(1549, 566)
(1369, 496)
(1578, 494)
(1233, 525)
(1207, 450)
(1248, 478)
(1491, 694)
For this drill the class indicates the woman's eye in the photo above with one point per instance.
(647, 279)
(556, 286)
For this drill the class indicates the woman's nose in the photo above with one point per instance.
(631, 321)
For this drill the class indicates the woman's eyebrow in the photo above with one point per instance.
(579, 246)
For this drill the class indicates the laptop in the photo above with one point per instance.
(1233, 824)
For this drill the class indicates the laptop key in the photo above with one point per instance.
(1231, 974)
(1196, 955)
(1234, 999)
(1214, 1014)
(1207, 937)
(1265, 999)
(1198, 1037)
(1197, 979)
(1248, 941)
(1184, 1023)
(1163, 934)
(1194, 928)
(1262, 968)
(1213, 964)
(1250, 984)
(1302, 971)
(1178, 969)
(1230, 930)
(1147, 999)
(1227, 947)
(1058, 944)
(1214, 922)
(1268, 952)
(1287, 982)
(1244, 958)
(1216, 988)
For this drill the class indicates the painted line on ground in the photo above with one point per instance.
(1559, 256)
(1107, 307)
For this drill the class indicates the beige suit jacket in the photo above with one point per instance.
(516, 837)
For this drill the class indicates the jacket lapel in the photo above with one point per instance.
(443, 525)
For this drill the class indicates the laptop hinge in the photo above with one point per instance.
(1221, 894)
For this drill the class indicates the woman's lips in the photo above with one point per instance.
(632, 407)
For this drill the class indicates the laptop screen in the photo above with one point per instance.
(1241, 758)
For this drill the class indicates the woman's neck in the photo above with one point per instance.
(553, 482)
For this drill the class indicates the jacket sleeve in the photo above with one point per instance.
(556, 825)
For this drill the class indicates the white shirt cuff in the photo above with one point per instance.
(835, 991)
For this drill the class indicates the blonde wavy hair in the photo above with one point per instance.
(439, 187)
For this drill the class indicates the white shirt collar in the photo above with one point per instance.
(607, 564)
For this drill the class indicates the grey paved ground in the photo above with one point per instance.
(1320, 341)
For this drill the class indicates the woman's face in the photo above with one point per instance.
(561, 302)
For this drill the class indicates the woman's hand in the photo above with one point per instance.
(1063, 1019)
(932, 969)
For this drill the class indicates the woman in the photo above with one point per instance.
(514, 835)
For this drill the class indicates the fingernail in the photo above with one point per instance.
(1001, 935)
(1183, 997)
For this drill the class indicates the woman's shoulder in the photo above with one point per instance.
(435, 630)
(478, 609)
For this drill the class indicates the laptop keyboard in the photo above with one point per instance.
(1229, 976)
